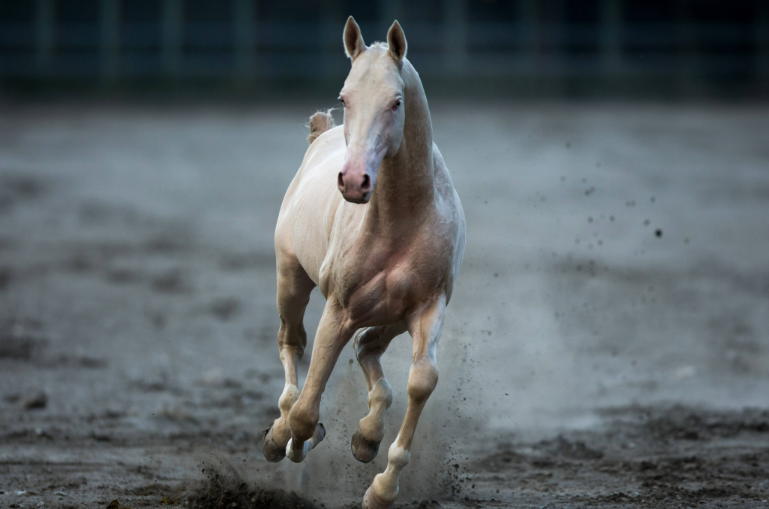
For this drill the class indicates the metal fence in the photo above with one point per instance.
(113, 41)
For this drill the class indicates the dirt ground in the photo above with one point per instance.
(606, 345)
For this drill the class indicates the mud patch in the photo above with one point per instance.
(21, 340)
(225, 308)
(219, 493)
(236, 262)
(6, 275)
(575, 450)
(172, 282)
(19, 347)
(123, 276)
(168, 245)
(15, 188)
(679, 422)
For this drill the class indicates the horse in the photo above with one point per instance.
(372, 219)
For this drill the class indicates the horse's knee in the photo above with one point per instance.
(292, 337)
(302, 422)
(423, 377)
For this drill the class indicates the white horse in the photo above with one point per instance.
(372, 218)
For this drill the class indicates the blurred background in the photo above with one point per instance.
(551, 48)
(608, 336)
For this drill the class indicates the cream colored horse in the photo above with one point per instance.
(372, 218)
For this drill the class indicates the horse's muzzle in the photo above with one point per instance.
(355, 186)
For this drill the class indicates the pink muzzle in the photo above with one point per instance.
(354, 182)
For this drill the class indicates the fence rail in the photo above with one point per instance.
(48, 48)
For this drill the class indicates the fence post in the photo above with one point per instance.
(245, 36)
(455, 35)
(45, 15)
(110, 38)
(171, 51)
(762, 45)
(611, 37)
(528, 16)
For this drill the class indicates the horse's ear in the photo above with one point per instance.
(396, 40)
(353, 41)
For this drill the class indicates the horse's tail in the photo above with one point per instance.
(320, 122)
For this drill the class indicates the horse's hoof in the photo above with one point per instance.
(372, 501)
(272, 451)
(320, 433)
(363, 449)
(298, 455)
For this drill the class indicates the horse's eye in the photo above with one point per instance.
(342, 101)
(397, 103)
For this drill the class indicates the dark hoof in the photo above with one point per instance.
(272, 451)
(364, 450)
(320, 433)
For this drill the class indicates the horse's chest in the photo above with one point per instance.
(378, 288)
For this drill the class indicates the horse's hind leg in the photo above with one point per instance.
(370, 344)
(294, 287)
(425, 328)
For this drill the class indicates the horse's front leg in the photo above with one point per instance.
(294, 287)
(425, 326)
(333, 333)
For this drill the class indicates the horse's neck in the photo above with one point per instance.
(405, 186)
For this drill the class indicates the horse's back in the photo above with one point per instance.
(306, 215)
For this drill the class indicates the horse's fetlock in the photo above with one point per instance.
(288, 398)
(398, 457)
(302, 422)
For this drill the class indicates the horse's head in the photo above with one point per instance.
(374, 109)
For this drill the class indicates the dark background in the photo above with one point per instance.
(511, 48)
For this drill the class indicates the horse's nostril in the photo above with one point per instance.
(366, 185)
(340, 181)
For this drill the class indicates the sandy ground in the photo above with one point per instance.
(606, 345)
